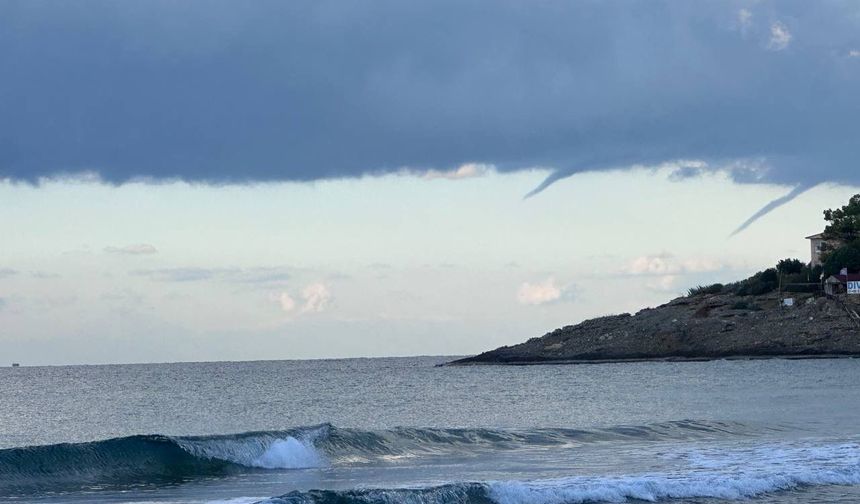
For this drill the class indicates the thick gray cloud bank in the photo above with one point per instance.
(302, 90)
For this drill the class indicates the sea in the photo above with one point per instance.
(402, 430)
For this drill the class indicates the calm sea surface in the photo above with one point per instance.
(402, 430)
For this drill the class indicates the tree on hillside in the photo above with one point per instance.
(844, 223)
(841, 248)
(790, 266)
(846, 256)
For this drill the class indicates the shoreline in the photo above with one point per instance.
(569, 362)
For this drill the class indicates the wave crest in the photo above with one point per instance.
(647, 488)
(157, 458)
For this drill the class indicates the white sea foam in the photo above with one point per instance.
(264, 451)
(238, 500)
(289, 453)
(608, 489)
(720, 474)
(659, 487)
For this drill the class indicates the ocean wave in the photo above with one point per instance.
(740, 473)
(153, 459)
(159, 458)
(422, 441)
(609, 489)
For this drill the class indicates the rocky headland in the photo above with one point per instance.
(698, 327)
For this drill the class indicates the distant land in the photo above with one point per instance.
(793, 310)
(697, 327)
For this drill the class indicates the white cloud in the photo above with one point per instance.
(7, 272)
(542, 293)
(780, 37)
(653, 265)
(464, 171)
(854, 53)
(666, 273)
(745, 19)
(317, 298)
(286, 301)
(667, 264)
(134, 249)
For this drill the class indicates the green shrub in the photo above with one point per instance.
(794, 275)
(716, 288)
(847, 256)
(790, 266)
(763, 282)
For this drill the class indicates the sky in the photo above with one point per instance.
(228, 181)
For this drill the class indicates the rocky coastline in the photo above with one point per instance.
(698, 327)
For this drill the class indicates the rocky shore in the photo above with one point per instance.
(701, 327)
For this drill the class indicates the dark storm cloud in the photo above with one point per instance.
(255, 91)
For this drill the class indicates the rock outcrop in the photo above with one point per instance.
(697, 328)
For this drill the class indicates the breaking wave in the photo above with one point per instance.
(648, 488)
(154, 459)
(158, 458)
(709, 474)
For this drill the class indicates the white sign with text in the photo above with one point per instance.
(853, 287)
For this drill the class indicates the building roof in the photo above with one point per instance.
(843, 278)
(818, 236)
